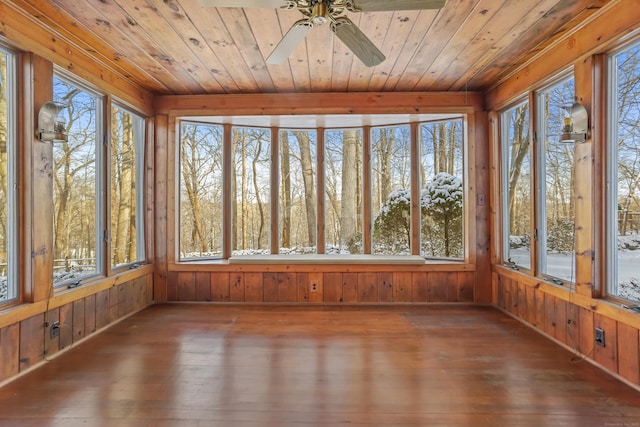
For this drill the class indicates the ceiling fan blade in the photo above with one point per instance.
(357, 41)
(271, 4)
(294, 36)
(390, 5)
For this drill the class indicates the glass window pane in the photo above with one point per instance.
(75, 186)
(251, 213)
(624, 206)
(298, 191)
(8, 238)
(557, 171)
(127, 213)
(201, 190)
(391, 190)
(517, 185)
(343, 191)
(441, 177)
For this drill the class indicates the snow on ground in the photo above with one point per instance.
(558, 265)
(562, 266)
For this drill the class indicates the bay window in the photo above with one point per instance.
(360, 207)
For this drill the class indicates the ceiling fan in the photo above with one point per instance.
(318, 12)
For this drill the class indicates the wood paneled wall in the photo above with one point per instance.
(570, 314)
(27, 342)
(570, 319)
(24, 339)
(343, 283)
(322, 287)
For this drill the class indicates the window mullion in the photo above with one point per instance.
(367, 227)
(320, 196)
(415, 188)
(275, 190)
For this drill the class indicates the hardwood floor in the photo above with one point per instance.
(224, 365)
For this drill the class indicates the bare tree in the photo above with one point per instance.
(309, 183)
(74, 177)
(285, 189)
(349, 194)
(201, 189)
(123, 186)
(191, 184)
(519, 151)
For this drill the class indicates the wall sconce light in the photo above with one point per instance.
(51, 124)
(576, 124)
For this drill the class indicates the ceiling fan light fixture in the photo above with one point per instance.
(319, 12)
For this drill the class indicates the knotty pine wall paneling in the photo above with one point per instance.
(571, 319)
(160, 260)
(24, 339)
(323, 287)
(28, 342)
(220, 283)
(343, 283)
(569, 314)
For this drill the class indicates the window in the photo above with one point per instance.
(356, 177)
(251, 215)
(127, 213)
(298, 191)
(516, 181)
(77, 219)
(556, 172)
(343, 191)
(441, 198)
(201, 190)
(624, 174)
(8, 226)
(391, 190)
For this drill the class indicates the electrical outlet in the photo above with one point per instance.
(599, 337)
(55, 329)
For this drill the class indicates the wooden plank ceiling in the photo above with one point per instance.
(183, 47)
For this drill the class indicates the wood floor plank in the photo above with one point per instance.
(283, 365)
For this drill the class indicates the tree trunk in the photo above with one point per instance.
(125, 168)
(256, 188)
(234, 192)
(519, 151)
(309, 185)
(348, 198)
(285, 191)
(243, 189)
(190, 167)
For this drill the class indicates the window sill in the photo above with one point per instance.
(328, 259)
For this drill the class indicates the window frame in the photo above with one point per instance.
(139, 147)
(505, 151)
(14, 289)
(225, 183)
(611, 266)
(271, 191)
(468, 211)
(325, 197)
(465, 186)
(100, 171)
(277, 170)
(539, 152)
